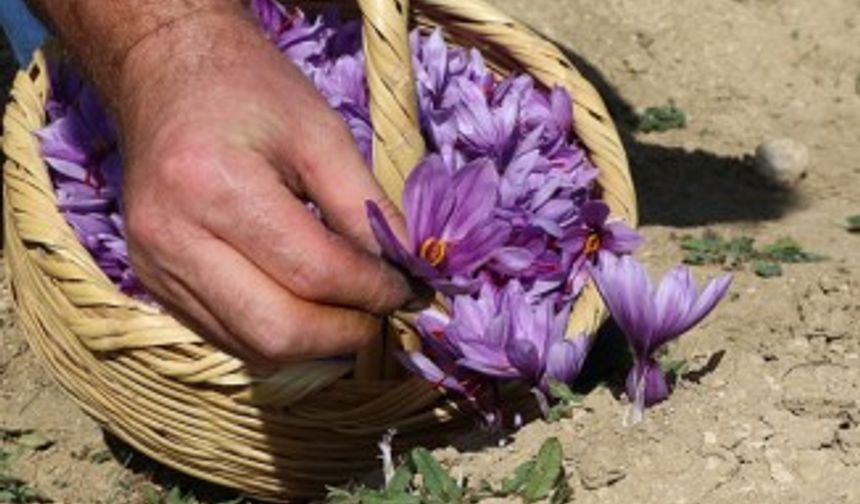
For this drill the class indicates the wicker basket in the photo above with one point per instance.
(165, 391)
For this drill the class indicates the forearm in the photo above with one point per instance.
(102, 34)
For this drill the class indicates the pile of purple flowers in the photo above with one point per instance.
(79, 144)
(502, 215)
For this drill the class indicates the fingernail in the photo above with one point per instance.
(423, 295)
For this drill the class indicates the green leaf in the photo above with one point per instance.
(674, 367)
(787, 250)
(435, 479)
(546, 472)
(853, 222)
(150, 495)
(515, 483)
(399, 483)
(695, 259)
(34, 440)
(561, 391)
(15, 491)
(375, 498)
(101, 456)
(558, 411)
(7, 458)
(767, 269)
(662, 118)
(337, 495)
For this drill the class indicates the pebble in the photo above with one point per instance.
(783, 162)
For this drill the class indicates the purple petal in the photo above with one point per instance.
(477, 247)
(427, 200)
(524, 356)
(594, 213)
(626, 289)
(475, 188)
(512, 260)
(565, 358)
(707, 300)
(561, 109)
(62, 140)
(419, 364)
(391, 246)
(674, 298)
(646, 384)
(435, 57)
(497, 367)
(620, 239)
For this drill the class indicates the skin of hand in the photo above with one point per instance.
(222, 140)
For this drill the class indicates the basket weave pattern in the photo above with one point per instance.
(165, 391)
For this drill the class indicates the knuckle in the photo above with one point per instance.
(310, 275)
(142, 227)
(280, 344)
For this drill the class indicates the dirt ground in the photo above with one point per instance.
(770, 409)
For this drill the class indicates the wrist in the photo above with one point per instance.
(168, 63)
(101, 35)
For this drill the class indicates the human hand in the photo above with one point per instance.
(222, 140)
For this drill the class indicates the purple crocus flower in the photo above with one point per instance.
(596, 233)
(651, 317)
(449, 219)
(81, 145)
(438, 361)
(505, 335)
(498, 334)
(484, 130)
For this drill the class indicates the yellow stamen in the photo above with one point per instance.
(592, 244)
(433, 251)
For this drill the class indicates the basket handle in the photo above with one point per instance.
(397, 141)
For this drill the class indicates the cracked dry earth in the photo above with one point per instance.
(769, 411)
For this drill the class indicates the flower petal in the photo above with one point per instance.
(595, 213)
(707, 300)
(419, 364)
(475, 189)
(565, 358)
(646, 384)
(427, 200)
(476, 247)
(626, 289)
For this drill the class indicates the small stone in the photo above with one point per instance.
(782, 162)
(710, 438)
(778, 471)
(635, 63)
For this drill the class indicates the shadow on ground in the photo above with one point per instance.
(682, 188)
(144, 470)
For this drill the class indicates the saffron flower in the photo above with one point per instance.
(651, 317)
(449, 220)
(507, 336)
(596, 233)
(497, 334)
